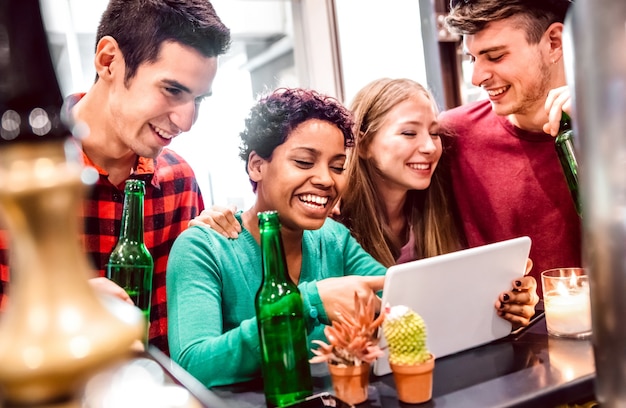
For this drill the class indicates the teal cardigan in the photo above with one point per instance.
(211, 285)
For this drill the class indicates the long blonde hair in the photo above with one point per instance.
(428, 212)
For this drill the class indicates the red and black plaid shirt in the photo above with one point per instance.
(172, 199)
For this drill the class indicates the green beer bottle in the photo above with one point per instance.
(565, 151)
(130, 264)
(282, 332)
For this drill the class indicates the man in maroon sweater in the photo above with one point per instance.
(506, 175)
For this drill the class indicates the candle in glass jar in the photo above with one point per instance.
(569, 313)
(566, 302)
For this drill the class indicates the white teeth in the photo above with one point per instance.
(496, 92)
(419, 166)
(313, 199)
(162, 133)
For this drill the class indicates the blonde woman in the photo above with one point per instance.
(398, 203)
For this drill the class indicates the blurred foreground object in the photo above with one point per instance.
(598, 76)
(55, 332)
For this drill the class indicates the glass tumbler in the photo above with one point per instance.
(566, 301)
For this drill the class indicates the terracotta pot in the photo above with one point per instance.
(414, 383)
(350, 382)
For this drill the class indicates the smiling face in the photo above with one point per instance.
(406, 149)
(160, 101)
(304, 177)
(515, 74)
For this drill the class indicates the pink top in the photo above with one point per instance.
(407, 253)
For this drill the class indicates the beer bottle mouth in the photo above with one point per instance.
(268, 216)
(135, 186)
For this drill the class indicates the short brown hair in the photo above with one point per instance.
(535, 16)
(140, 27)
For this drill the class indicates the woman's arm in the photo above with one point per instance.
(195, 295)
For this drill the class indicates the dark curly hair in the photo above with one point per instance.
(276, 115)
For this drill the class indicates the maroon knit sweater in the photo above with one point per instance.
(508, 183)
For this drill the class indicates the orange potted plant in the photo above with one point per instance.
(411, 363)
(352, 347)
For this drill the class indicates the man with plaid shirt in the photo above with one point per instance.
(155, 62)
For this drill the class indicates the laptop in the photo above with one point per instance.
(455, 294)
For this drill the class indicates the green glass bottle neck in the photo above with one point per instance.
(132, 217)
(566, 123)
(565, 131)
(272, 249)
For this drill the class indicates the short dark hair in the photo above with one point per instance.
(140, 27)
(276, 115)
(472, 16)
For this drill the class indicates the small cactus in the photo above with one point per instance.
(405, 332)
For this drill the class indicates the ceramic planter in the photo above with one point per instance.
(350, 382)
(414, 383)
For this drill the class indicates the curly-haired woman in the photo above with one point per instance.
(294, 145)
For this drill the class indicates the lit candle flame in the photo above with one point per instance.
(573, 280)
(564, 289)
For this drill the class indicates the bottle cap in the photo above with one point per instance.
(135, 186)
(268, 216)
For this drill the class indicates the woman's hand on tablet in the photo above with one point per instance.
(518, 304)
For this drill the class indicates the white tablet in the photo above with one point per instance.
(455, 295)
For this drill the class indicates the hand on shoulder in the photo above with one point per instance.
(221, 219)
